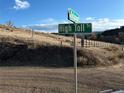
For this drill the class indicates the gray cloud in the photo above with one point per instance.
(47, 25)
(102, 24)
(44, 27)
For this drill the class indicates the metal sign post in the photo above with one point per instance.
(75, 62)
(74, 17)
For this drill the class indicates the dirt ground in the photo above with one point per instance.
(60, 80)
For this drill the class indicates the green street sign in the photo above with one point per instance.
(73, 16)
(87, 28)
(80, 28)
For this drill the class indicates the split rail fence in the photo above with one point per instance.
(100, 44)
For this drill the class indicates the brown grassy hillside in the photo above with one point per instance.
(18, 48)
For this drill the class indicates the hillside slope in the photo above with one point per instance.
(18, 48)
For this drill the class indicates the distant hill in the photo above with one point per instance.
(112, 35)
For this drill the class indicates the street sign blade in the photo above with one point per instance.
(87, 27)
(66, 28)
(80, 28)
(73, 16)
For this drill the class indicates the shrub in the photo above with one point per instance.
(86, 57)
(121, 55)
(112, 48)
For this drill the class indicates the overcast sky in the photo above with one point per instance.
(45, 15)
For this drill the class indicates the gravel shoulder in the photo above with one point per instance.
(52, 80)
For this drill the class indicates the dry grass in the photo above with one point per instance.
(121, 55)
(112, 48)
(54, 56)
(33, 50)
(38, 37)
(87, 58)
(106, 56)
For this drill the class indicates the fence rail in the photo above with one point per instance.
(92, 43)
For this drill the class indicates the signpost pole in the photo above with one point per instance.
(75, 61)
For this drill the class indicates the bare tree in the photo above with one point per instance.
(9, 23)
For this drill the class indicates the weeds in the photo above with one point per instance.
(121, 55)
(112, 48)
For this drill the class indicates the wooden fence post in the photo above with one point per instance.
(82, 42)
